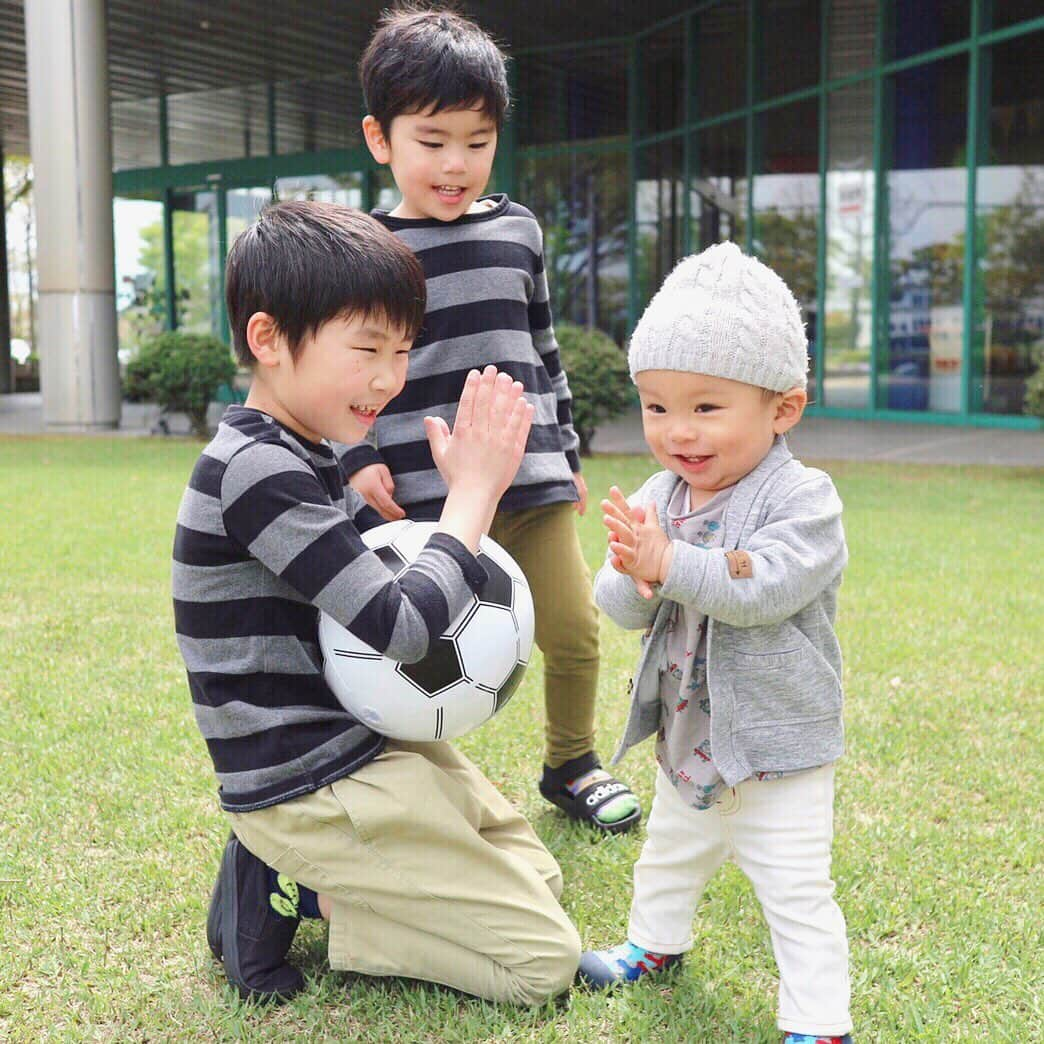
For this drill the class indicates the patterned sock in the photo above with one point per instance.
(629, 962)
(290, 898)
(815, 1038)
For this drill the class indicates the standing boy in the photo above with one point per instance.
(436, 89)
(730, 561)
(421, 867)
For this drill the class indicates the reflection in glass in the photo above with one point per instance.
(197, 263)
(581, 203)
(718, 189)
(916, 26)
(571, 95)
(140, 278)
(1009, 292)
(927, 197)
(659, 214)
(853, 26)
(849, 231)
(786, 203)
(661, 57)
(386, 192)
(720, 68)
(327, 188)
(243, 207)
(789, 45)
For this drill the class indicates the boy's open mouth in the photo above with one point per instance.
(365, 414)
(450, 193)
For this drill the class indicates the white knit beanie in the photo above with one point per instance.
(723, 314)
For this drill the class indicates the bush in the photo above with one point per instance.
(1033, 403)
(181, 372)
(598, 378)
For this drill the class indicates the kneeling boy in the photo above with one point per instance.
(421, 867)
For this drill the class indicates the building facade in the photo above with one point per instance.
(885, 156)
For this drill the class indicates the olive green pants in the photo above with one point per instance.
(431, 872)
(544, 542)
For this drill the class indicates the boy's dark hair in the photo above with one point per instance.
(425, 60)
(306, 263)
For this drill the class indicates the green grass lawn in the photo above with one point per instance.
(110, 833)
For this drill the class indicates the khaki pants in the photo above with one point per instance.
(432, 873)
(544, 542)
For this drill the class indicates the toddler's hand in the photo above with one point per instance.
(641, 549)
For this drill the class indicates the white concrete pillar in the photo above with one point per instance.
(72, 185)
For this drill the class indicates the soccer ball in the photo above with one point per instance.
(470, 671)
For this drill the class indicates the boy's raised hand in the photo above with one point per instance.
(641, 549)
(489, 434)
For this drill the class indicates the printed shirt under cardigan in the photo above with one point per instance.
(683, 744)
(487, 303)
(264, 541)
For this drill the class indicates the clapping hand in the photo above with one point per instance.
(640, 548)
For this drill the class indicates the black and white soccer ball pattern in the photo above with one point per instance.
(470, 671)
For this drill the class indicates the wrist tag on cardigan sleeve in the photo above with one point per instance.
(740, 565)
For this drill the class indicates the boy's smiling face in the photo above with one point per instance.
(710, 430)
(441, 161)
(342, 376)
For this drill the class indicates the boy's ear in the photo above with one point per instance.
(264, 339)
(789, 408)
(376, 140)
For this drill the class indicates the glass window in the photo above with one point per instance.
(327, 188)
(242, 208)
(135, 134)
(197, 264)
(853, 26)
(140, 277)
(849, 232)
(927, 197)
(789, 45)
(581, 203)
(659, 214)
(312, 115)
(386, 192)
(1009, 294)
(661, 59)
(786, 201)
(573, 95)
(720, 65)
(718, 189)
(997, 14)
(211, 125)
(916, 26)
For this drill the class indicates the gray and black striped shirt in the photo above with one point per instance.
(265, 540)
(487, 303)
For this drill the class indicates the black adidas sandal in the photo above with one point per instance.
(585, 805)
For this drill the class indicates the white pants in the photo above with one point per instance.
(779, 833)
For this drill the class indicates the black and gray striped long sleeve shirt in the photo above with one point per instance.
(487, 303)
(264, 541)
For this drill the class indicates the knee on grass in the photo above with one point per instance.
(545, 977)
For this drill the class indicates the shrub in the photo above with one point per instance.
(598, 378)
(181, 372)
(1033, 403)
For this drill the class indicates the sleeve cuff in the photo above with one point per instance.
(684, 578)
(474, 574)
(358, 457)
(574, 461)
